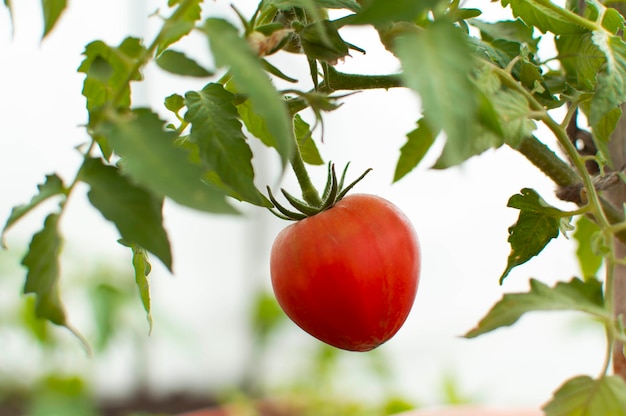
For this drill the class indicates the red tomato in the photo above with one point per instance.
(348, 275)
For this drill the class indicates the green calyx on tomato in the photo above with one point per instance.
(333, 193)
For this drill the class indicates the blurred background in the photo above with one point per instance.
(218, 335)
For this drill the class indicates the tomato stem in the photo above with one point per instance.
(309, 192)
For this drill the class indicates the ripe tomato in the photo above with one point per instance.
(348, 275)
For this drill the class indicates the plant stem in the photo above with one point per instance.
(336, 80)
(309, 192)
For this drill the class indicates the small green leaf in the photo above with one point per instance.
(584, 396)
(178, 63)
(174, 103)
(216, 129)
(543, 17)
(321, 41)
(575, 295)
(52, 10)
(537, 224)
(381, 12)
(588, 260)
(51, 187)
(418, 143)
(308, 150)
(141, 264)
(430, 62)
(42, 278)
(180, 23)
(136, 213)
(151, 158)
(231, 50)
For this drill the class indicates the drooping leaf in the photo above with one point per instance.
(136, 213)
(42, 278)
(234, 52)
(537, 224)
(52, 10)
(381, 12)
(575, 295)
(141, 264)
(151, 158)
(584, 396)
(430, 60)
(534, 13)
(418, 143)
(178, 63)
(308, 150)
(589, 260)
(216, 129)
(51, 187)
(180, 23)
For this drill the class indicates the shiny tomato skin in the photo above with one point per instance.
(348, 275)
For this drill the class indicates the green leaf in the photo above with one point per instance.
(588, 260)
(575, 295)
(178, 63)
(109, 71)
(611, 88)
(325, 4)
(381, 12)
(174, 103)
(141, 264)
(537, 224)
(136, 213)
(430, 60)
(584, 396)
(216, 129)
(308, 150)
(231, 50)
(52, 10)
(418, 143)
(544, 18)
(51, 187)
(513, 31)
(152, 159)
(581, 60)
(42, 278)
(179, 24)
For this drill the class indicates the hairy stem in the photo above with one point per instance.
(309, 192)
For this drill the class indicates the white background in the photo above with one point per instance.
(460, 215)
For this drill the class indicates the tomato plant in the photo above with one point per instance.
(348, 275)
(482, 84)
